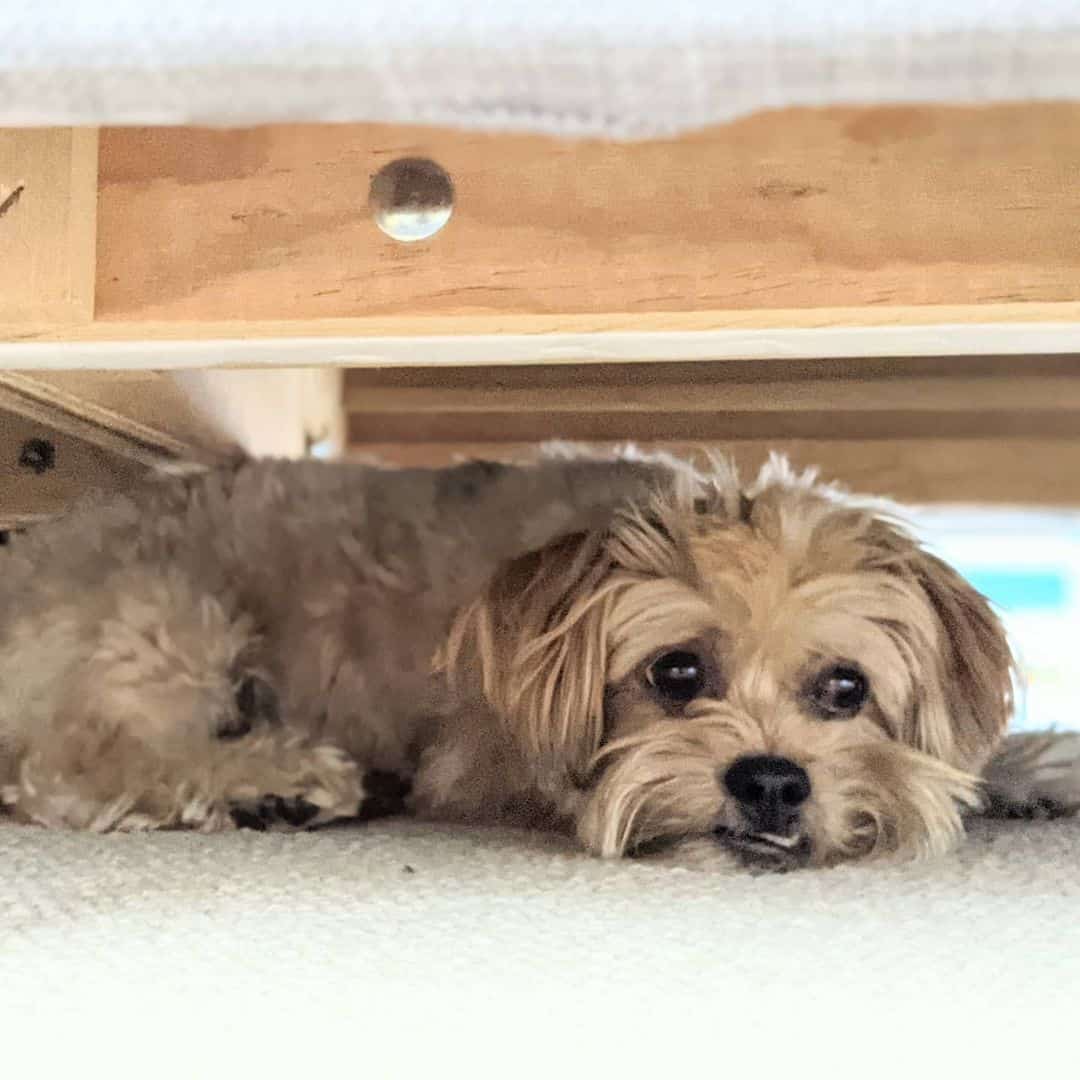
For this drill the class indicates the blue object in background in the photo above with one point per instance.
(1027, 562)
(1022, 590)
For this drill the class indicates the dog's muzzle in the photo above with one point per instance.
(770, 792)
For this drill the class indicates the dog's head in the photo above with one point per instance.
(782, 669)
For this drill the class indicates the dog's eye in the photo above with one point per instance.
(838, 692)
(678, 675)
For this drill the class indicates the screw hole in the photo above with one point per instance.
(37, 455)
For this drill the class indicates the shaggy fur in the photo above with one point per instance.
(287, 644)
(248, 643)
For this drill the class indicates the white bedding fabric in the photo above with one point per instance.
(615, 68)
(506, 955)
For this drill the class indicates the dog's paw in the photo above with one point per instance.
(255, 704)
(1034, 775)
(278, 813)
(384, 794)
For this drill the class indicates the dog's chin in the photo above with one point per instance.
(766, 851)
(755, 851)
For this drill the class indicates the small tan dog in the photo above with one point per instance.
(635, 650)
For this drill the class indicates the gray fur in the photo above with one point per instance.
(334, 584)
(266, 645)
(1034, 774)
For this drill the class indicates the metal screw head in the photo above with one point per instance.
(411, 199)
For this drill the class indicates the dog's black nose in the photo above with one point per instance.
(769, 791)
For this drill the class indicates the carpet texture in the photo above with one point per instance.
(401, 950)
(611, 68)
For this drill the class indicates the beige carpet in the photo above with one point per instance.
(399, 950)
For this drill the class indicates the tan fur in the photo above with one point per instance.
(543, 594)
(805, 573)
(129, 628)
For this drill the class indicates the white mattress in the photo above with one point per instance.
(602, 67)
(397, 950)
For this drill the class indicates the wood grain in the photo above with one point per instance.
(602, 425)
(48, 200)
(969, 397)
(661, 396)
(794, 209)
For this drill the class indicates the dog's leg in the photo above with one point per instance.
(348, 796)
(1034, 775)
(156, 714)
(278, 781)
(269, 780)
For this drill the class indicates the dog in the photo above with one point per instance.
(635, 650)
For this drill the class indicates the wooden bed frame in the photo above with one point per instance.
(892, 292)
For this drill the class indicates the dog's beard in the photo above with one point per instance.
(662, 786)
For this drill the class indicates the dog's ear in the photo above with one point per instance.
(977, 666)
(535, 644)
(963, 668)
(535, 647)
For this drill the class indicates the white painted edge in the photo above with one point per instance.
(957, 339)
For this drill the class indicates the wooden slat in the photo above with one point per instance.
(1000, 471)
(792, 209)
(181, 419)
(869, 399)
(79, 466)
(48, 201)
(763, 370)
(935, 329)
(600, 425)
(942, 396)
(143, 416)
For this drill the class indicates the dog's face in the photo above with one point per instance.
(783, 672)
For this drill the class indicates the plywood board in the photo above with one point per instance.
(48, 210)
(967, 397)
(793, 209)
(78, 467)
